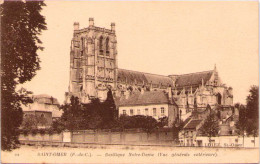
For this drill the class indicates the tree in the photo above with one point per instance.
(163, 121)
(94, 113)
(177, 126)
(109, 108)
(252, 128)
(252, 105)
(33, 121)
(21, 24)
(242, 123)
(57, 126)
(210, 127)
(72, 116)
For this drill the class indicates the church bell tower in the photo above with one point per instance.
(93, 62)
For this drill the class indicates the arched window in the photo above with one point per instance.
(219, 98)
(101, 45)
(82, 46)
(107, 45)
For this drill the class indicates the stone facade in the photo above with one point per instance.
(94, 70)
(93, 62)
(157, 104)
(44, 103)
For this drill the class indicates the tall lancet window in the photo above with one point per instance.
(82, 46)
(101, 45)
(107, 46)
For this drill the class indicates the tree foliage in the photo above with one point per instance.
(242, 123)
(21, 23)
(102, 115)
(163, 121)
(177, 126)
(147, 123)
(252, 112)
(72, 114)
(252, 103)
(95, 115)
(33, 121)
(210, 127)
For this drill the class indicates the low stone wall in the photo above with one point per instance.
(39, 137)
(133, 137)
(125, 137)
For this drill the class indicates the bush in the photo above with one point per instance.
(42, 131)
(25, 132)
(34, 132)
(146, 123)
(50, 131)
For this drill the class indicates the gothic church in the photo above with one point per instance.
(94, 70)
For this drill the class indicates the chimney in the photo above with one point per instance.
(76, 25)
(113, 26)
(91, 21)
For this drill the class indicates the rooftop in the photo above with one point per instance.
(192, 124)
(132, 77)
(146, 98)
(45, 99)
(193, 78)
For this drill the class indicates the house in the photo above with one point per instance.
(44, 109)
(187, 136)
(157, 104)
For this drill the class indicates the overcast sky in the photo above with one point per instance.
(157, 37)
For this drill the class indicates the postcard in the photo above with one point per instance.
(129, 82)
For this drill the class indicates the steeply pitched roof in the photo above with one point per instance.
(192, 124)
(193, 79)
(45, 99)
(150, 97)
(131, 77)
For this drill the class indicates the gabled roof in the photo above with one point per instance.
(192, 124)
(146, 98)
(131, 77)
(193, 79)
(45, 99)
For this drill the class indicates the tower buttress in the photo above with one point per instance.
(93, 62)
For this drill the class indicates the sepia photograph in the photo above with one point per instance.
(129, 81)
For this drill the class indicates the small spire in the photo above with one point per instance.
(191, 89)
(215, 67)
